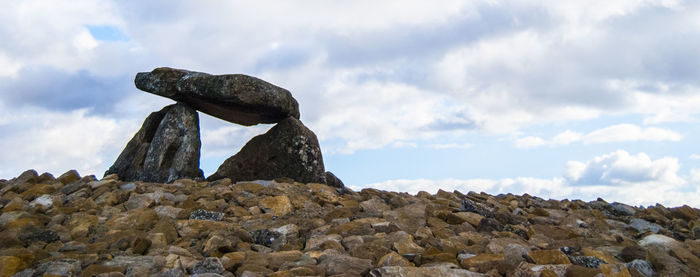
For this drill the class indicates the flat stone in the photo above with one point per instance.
(335, 262)
(549, 257)
(236, 98)
(165, 149)
(288, 149)
(438, 271)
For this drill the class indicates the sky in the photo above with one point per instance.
(556, 99)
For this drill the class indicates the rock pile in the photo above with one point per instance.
(167, 147)
(81, 226)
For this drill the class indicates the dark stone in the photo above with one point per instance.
(206, 215)
(236, 98)
(208, 265)
(489, 224)
(586, 261)
(264, 237)
(165, 149)
(141, 245)
(45, 236)
(633, 252)
(288, 149)
(333, 181)
(471, 206)
(619, 209)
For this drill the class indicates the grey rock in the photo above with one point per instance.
(236, 98)
(265, 237)
(208, 265)
(288, 149)
(135, 264)
(642, 225)
(166, 148)
(620, 209)
(60, 267)
(642, 266)
(586, 261)
(206, 215)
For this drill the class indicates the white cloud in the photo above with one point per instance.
(57, 142)
(615, 133)
(621, 168)
(694, 157)
(451, 146)
(618, 176)
(529, 142)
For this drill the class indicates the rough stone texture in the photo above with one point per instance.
(288, 149)
(165, 149)
(333, 180)
(280, 227)
(236, 98)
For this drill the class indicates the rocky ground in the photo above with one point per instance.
(81, 226)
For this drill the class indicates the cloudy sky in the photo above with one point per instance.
(559, 99)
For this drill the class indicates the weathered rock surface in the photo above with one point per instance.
(81, 226)
(236, 98)
(166, 148)
(288, 149)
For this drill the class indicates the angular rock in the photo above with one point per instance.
(206, 215)
(549, 257)
(166, 148)
(438, 271)
(236, 98)
(335, 262)
(288, 149)
(333, 180)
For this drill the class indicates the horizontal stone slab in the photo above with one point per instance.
(236, 98)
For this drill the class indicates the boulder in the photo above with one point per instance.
(165, 149)
(236, 98)
(288, 149)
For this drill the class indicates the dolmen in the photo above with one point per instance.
(167, 147)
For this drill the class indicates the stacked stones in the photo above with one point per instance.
(167, 147)
(81, 226)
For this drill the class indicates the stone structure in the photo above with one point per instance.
(165, 149)
(235, 98)
(288, 149)
(167, 146)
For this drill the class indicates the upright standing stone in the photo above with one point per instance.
(236, 98)
(166, 148)
(288, 149)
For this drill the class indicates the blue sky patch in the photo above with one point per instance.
(107, 33)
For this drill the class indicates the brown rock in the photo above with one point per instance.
(335, 262)
(408, 218)
(434, 271)
(633, 252)
(95, 269)
(276, 205)
(481, 262)
(10, 265)
(393, 259)
(580, 271)
(614, 270)
(549, 257)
